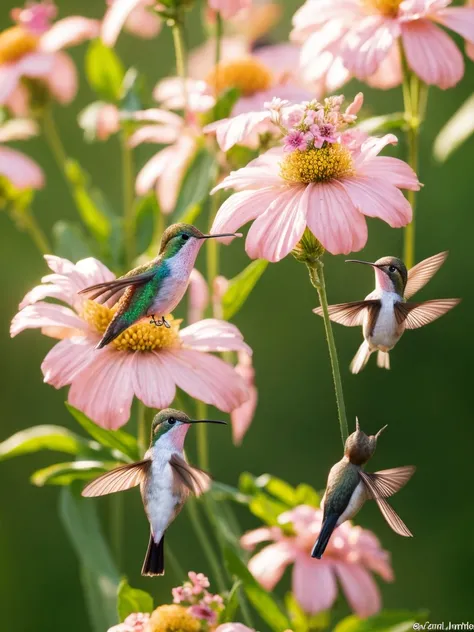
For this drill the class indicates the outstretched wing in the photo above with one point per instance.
(393, 519)
(110, 288)
(419, 314)
(419, 275)
(350, 314)
(191, 478)
(389, 482)
(118, 480)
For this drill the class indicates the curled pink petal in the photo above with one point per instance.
(115, 18)
(70, 31)
(45, 315)
(21, 170)
(213, 335)
(230, 132)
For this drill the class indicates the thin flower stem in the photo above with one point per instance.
(54, 141)
(128, 199)
(212, 252)
(31, 226)
(202, 444)
(219, 33)
(316, 274)
(177, 29)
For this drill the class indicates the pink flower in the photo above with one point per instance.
(363, 36)
(204, 613)
(470, 46)
(136, 16)
(19, 169)
(145, 361)
(328, 189)
(229, 8)
(135, 622)
(199, 581)
(351, 554)
(234, 627)
(295, 140)
(33, 49)
(100, 120)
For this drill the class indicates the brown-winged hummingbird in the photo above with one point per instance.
(165, 479)
(348, 488)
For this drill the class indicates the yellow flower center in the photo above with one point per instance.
(172, 618)
(385, 7)
(16, 42)
(247, 74)
(317, 165)
(142, 336)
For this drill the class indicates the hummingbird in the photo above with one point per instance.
(385, 313)
(166, 480)
(156, 287)
(348, 488)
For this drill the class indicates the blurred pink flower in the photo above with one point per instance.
(33, 49)
(351, 554)
(363, 35)
(136, 16)
(470, 46)
(203, 612)
(328, 189)
(135, 622)
(108, 121)
(229, 8)
(234, 627)
(19, 169)
(144, 361)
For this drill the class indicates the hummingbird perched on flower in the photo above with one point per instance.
(348, 488)
(165, 479)
(154, 288)
(384, 314)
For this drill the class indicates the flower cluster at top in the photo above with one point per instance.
(201, 603)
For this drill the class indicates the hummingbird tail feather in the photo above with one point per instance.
(328, 527)
(154, 563)
(360, 358)
(383, 360)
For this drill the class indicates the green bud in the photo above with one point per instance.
(308, 250)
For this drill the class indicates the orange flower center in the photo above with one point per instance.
(16, 42)
(172, 618)
(317, 165)
(247, 74)
(388, 8)
(142, 336)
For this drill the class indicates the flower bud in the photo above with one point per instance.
(308, 250)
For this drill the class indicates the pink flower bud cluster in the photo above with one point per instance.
(202, 604)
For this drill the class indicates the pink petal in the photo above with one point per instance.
(373, 146)
(198, 296)
(359, 587)
(151, 381)
(18, 129)
(229, 8)
(333, 218)
(389, 73)
(62, 81)
(277, 231)
(393, 171)
(115, 19)
(45, 315)
(250, 539)
(169, 184)
(9, 80)
(241, 208)
(432, 54)
(92, 271)
(69, 32)
(67, 359)
(22, 172)
(231, 131)
(458, 19)
(269, 564)
(169, 92)
(206, 377)
(242, 416)
(152, 170)
(213, 335)
(19, 101)
(59, 264)
(233, 627)
(31, 65)
(314, 584)
(161, 134)
(156, 115)
(143, 23)
(41, 292)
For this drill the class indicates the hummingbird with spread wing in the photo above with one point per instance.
(385, 313)
(165, 478)
(154, 288)
(348, 488)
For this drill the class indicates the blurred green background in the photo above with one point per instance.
(426, 398)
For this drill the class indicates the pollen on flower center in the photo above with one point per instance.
(143, 336)
(247, 74)
(317, 165)
(16, 42)
(385, 7)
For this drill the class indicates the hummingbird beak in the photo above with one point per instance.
(222, 235)
(205, 421)
(367, 263)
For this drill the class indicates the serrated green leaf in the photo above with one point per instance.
(70, 241)
(104, 71)
(232, 604)
(66, 473)
(456, 131)
(114, 439)
(240, 287)
(131, 600)
(146, 213)
(44, 437)
(306, 495)
(386, 621)
(261, 600)
(197, 183)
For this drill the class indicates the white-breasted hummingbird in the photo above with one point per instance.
(384, 314)
(348, 488)
(156, 287)
(165, 479)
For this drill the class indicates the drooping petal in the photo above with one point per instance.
(31, 65)
(212, 334)
(314, 584)
(169, 184)
(269, 564)
(393, 171)
(40, 292)
(458, 19)
(62, 80)
(45, 315)
(152, 170)
(21, 170)
(389, 73)
(9, 80)
(151, 382)
(250, 539)
(169, 92)
(143, 22)
(373, 146)
(69, 31)
(198, 296)
(162, 134)
(231, 131)
(229, 8)
(241, 208)
(359, 587)
(91, 271)
(242, 416)
(115, 18)
(67, 359)
(18, 129)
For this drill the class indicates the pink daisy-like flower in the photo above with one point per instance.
(229, 8)
(19, 169)
(351, 554)
(145, 361)
(364, 36)
(33, 49)
(136, 16)
(328, 189)
(135, 622)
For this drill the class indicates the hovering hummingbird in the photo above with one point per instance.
(348, 488)
(384, 314)
(165, 480)
(154, 288)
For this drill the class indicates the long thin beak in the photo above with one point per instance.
(367, 263)
(205, 421)
(222, 235)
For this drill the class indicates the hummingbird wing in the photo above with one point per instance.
(109, 288)
(393, 519)
(419, 275)
(351, 314)
(416, 315)
(189, 478)
(389, 482)
(118, 480)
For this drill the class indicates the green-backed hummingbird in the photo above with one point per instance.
(384, 314)
(165, 479)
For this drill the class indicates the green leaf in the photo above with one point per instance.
(223, 107)
(241, 286)
(456, 131)
(386, 621)
(131, 600)
(66, 473)
(197, 183)
(232, 604)
(261, 600)
(98, 572)
(267, 509)
(104, 71)
(43, 438)
(115, 439)
(146, 212)
(220, 491)
(131, 90)
(239, 156)
(306, 495)
(302, 622)
(278, 488)
(384, 123)
(70, 241)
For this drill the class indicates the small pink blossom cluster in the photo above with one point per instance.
(135, 622)
(202, 604)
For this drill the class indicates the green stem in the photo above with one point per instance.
(54, 141)
(202, 443)
(316, 274)
(219, 33)
(177, 29)
(128, 199)
(31, 226)
(212, 252)
(178, 570)
(142, 430)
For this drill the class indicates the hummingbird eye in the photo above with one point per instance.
(392, 269)
(184, 237)
(171, 421)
